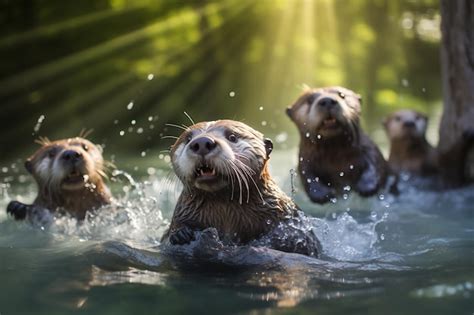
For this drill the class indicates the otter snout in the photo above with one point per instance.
(327, 102)
(202, 146)
(72, 156)
(409, 124)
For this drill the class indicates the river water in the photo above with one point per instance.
(411, 254)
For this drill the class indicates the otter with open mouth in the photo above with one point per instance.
(335, 155)
(223, 166)
(69, 174)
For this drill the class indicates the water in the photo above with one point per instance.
(409, 254)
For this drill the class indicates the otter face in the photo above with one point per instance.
(406, 124)
(213, 155)
(326, 112)
(66, 165)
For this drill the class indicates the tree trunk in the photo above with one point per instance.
(456, 131)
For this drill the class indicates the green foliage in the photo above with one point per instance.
(81, 65)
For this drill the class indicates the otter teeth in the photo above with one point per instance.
(205, 171)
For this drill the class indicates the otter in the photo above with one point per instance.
(335, 155)
(409, 149)
(69, 174)
(223, 166)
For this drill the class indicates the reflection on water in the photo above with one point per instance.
(385, 249)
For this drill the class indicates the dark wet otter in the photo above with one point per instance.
(335, 155)
(409, 149)
(223, 166)
(69, 174)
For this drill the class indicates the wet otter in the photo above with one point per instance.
(409, 149)
(335, 155)
(69, 174)
(223, 166)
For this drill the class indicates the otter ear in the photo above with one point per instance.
(289, 112)
(359, 97)
(29, 166)
(268, 146)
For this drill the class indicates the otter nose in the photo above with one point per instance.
(202, 145)
(409, 124)
(71, 155)
(327, 102)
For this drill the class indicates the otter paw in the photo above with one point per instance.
(17, 209)
(182, 236)
(320, 195)
(367, 188)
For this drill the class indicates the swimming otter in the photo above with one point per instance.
(335, 155)
(409, 149)
(223, 166)
(69, 174)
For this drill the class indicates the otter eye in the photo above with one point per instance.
(398, 118)
(232, 137)
(85, 147)
(341, 95)
(310, 99)
(189, 138)
(52, 153)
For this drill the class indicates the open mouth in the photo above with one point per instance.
(205, 172)
(75, 177)
(330, 123)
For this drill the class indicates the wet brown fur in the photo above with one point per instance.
(78, 201)
(409, 149)
(239, 222)
(335, 160)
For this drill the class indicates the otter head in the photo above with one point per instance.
(405, 124)
(211, 156)
(325, 113)
(66, 165)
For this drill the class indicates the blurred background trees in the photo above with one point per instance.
(126, 67)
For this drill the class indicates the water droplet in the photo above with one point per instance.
(333, 200)
(4, 169)
(130, 105)
(161, 156)
(121, 132)
(140, 130)
(318, 136)
(152, 126)
(405, 82)
(309, 180)
(264, 123)
(143, 154)
(307, 135)
(151, 171)
(341, 174)
(167, 159)
(260, 108)
(231, 93)
(381, 197)
(133, 122)
(150, 118)
(345, 196)
(423, 90)
(351, 167)
(316, 179)
(116, 121)
(382, 237)
(334, 215)
(347, 188)
(281, 137)
(150, 76)
(38, 123)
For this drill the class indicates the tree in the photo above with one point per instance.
(457, 59)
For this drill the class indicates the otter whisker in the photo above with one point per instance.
(170, 137)
(234, 168)
(244, 179)
(189, 117)
(184, 127)
(250, 172)
(84, 133)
